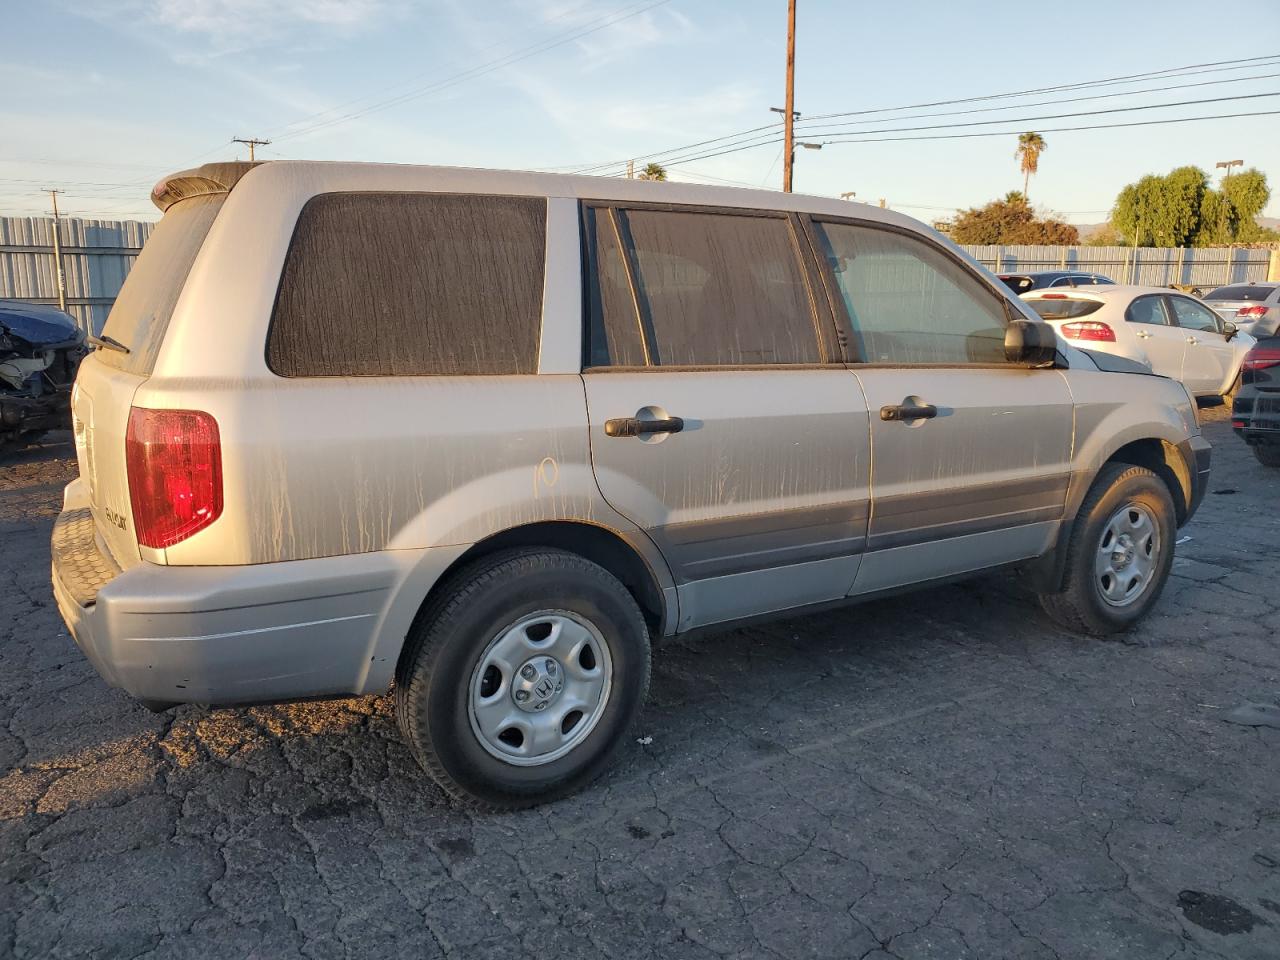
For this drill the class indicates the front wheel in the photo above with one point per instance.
(1119, 555)
(521, 680)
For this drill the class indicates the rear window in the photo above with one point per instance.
(1241, 292)
(1064, 309)
(396, 284)
(1018, 284)
(141, 312)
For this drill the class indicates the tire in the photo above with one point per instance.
(1229, 397)
(1082, 605)
(1268, 456)
(522, 609)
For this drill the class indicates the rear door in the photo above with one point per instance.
(722, 420)
(1152, 325)
(971, 454)
(1208, 357)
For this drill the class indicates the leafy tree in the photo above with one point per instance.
(1180, 209)
(1104, 236)
(653, 171)
(1030, 146)
(1010, 220)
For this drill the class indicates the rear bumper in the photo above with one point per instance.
(1197, 452)
(249, 634)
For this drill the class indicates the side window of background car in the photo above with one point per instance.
(711, 289)
(1148, 310)
(908, 302)
(1193, 316)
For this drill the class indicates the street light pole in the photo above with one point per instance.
(788, 118)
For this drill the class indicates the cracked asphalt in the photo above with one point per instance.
(942, 775)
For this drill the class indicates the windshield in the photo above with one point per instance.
(142, 310)
(1064, 309)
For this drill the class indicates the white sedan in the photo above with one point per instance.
(1175, 335)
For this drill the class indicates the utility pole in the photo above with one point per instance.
(788, 118)
(1227, 165)
(631, 169)
(57, 252)
(250, 143)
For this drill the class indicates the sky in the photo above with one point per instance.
(102, 97)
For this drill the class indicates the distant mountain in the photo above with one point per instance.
(1089, 229)
(1270, 223)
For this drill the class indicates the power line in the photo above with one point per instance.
(759, 133)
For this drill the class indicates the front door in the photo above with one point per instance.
(971, 454)
(1208, 358)
(722, 422)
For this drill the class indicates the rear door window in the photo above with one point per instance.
(710, 289)
(1149, 310)
(140, 315)
(397, 284)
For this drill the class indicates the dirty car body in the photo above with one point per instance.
(40, 351)
(477, 431)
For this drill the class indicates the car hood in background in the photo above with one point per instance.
(37, 323)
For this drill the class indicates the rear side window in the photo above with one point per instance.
(397, 284)
(140, 315)
(908, 302)
(1148, 310)
(1018, 284)
(1064, 309)
(711, 289)
(1242, 292)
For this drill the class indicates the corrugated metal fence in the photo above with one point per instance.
(96, 257)
(1206, 267)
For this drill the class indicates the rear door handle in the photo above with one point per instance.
(1192, 340)
(1142, 334)
(635, 427)
(909, 411)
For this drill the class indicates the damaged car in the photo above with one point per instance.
(40, 351)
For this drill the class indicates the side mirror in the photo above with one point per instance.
(1229, 330)
(1035, 344)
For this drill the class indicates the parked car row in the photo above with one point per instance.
(486, 436)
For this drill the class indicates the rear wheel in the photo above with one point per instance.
(1268, 455)
(1119, 555)
(522, 679)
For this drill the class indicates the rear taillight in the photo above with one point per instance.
(1260, 358)
(174, 461)
(1053, 296)
(1088, 330)
(1259, 310)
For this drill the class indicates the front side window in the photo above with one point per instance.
(908, 302)
(1148, 310)
(1193, 316)
(411, 284)
(710, 289)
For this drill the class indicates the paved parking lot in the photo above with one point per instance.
(942, 775)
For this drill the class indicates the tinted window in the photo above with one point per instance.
(910, 303)
(614, 337)
(1018, 284)
(1242, 292)
(1065, 282)
(712, 290)
(1148, 310)
(140, 315)
(1064, 309)
(402, 284)
(1194, 316)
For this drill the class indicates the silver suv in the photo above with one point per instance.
(484, 437)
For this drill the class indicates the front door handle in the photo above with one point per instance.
(1192, 340)
(909, 411)
(635, 427)
(1143, 335)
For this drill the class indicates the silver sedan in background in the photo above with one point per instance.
(1253, 307)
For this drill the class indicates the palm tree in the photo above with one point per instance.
(653, 171)
(1030, 146)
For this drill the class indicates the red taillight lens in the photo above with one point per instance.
(174, 461)
(1260, 358)
(1256, 311)
(1089, 330)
